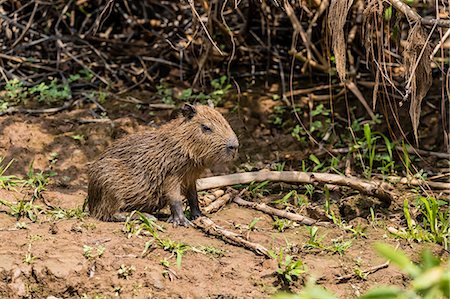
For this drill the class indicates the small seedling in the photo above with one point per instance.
(314, 242)
(23, 209)
(37, 180)
(21, 225)
(164, 262)
(29, 258)
(289, 269)
(60, 213)
(8, 181)
(125, 271)
(53, 157)
(78, 137)
(210, 250)
(88, 252)
(252, 224)
(174, 247)
(281, 224)
(339, 246)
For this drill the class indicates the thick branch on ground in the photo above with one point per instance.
(210, 228)
(379, 190)
(279, 213)
(414, 16)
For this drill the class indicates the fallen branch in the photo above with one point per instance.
(416, 182)
(379, 190)
(279, 213)
(210, 228)
(13, 110)
(217, 204)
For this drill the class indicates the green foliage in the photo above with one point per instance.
(51, 93)
(371, 154)
(339, 246)
(314, 241)
(289, 269)
(281, 224)
(59, 213)
(91, 254)
(430, 278)
(15, 93)
(252, 224)
(177, 248)
(125, 272)
(37, 180)
(258, 189)
(220, 88)
(310, 291)
(435, 226)
(22, 209)
(8, 181)
(165, 93)
(210, 250)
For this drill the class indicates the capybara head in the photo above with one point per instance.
(208, 137)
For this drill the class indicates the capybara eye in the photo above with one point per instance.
(206, 129)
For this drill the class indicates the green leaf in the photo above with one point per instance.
(385, 292)
(313, 158)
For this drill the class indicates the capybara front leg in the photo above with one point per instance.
(192, 198)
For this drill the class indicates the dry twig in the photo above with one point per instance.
(210, 228)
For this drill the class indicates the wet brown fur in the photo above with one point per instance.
(146, 171)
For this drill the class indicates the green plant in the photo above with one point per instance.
(220, 88)
(289, 269)
(51, 93)
(285, 199)
(281, 224)
(142, 225)
(88, 252)
(7, 181)
(29, 258)
(125, 272)
(339, 246)
(314, 242)
(429, 279)
(369, 146)
(164, 262)
(310, 291)
(22, 209)
(211, 250)
(165, 93)
(59, 213)
(15, 93)
(252, 224)
(258, 189)
(37, 180)
(177, 248)
(435, 225)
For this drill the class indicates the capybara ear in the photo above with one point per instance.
(188, 110)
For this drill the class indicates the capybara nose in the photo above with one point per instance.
(232, 146)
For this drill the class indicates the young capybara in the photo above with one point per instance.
(147, 171)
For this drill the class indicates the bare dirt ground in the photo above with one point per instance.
(60, 267)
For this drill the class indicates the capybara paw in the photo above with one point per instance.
(179, 220)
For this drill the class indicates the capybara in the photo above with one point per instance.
(147, 171)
